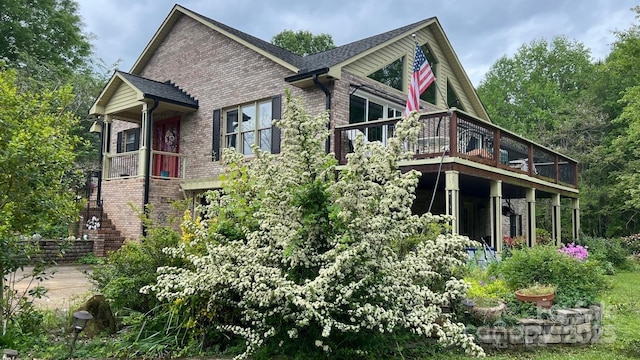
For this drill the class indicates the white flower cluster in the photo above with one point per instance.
(321, 257)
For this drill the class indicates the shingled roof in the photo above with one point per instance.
(323, 59)
(274, 50)
(165, 91)
(345, 52)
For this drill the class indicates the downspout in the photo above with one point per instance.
(147, 175)
(327, 94)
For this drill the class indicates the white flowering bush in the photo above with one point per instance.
(295, 253)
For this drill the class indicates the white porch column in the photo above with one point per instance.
(531, 216)
(144, 142)
(106, 145)
(555, 219)
(452, 189)
(576, 219)
(496, 215)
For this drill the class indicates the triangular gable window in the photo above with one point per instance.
(391, 74)
(429, 95)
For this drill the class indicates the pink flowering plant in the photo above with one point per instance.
(575, 251)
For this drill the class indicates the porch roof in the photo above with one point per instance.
(125, 92)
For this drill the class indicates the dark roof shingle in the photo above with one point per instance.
(166, 91)
(323, 59)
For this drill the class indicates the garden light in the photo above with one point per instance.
(80, 319)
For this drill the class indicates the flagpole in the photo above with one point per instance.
(435, 80)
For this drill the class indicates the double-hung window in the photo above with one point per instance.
(128, 140)
(249, 124)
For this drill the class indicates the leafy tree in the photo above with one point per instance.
(332, 263)
(610, 205)
(49, 31)
(620, 70)
(303, 42)
(36, 162)
(539, 87)
(44, 42)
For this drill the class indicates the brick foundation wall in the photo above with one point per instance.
(162, 194)
(117, 195)
(577, 326)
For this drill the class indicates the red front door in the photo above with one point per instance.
(166, 140)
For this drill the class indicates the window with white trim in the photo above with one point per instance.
(248, 124)
(366, 107)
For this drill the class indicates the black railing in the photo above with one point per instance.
(457, 134)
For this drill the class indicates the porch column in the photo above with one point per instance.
(555, 219)
(106, 146)
(576, 218)
(144, 142)
(452, 188)
(496, 215)
(531, 216)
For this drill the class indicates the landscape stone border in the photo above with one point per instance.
(575, 326)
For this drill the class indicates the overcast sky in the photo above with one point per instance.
(481, 31)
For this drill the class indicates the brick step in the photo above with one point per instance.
(112, 237)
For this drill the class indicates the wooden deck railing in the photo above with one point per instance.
(457, 134)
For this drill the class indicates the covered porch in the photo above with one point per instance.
(149, 141)
(141, 159)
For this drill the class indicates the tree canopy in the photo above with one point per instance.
(533, 91)
(49, 31)
(554, 93)
(303, 42)
(36, 163)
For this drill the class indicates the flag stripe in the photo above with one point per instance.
(421, 78)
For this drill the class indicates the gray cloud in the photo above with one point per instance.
(480, 32)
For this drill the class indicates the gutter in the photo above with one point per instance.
(327, 93)
(147, 176)
(307, 74)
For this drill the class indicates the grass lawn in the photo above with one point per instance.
(621, 337)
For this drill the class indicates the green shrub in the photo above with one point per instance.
(608, 250)
(577, 282)
(134, 266)
(90, 259)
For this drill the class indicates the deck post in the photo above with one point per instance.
(496, 216)
(555, 219)
(576, 219)
(452, 188)
(531, 216)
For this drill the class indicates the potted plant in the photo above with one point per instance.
(541, 295)
(485, 297)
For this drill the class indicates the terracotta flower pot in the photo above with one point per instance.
(543, 301)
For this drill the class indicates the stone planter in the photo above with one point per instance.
(488, 313)
(543, 301)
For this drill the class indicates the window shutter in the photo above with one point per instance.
(276, 112)
(136, 139)
(217, 128)
(119, 142)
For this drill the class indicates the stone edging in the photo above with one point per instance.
(559, 327)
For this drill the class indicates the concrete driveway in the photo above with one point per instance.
(68, 286)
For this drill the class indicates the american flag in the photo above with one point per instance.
(421, 78)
